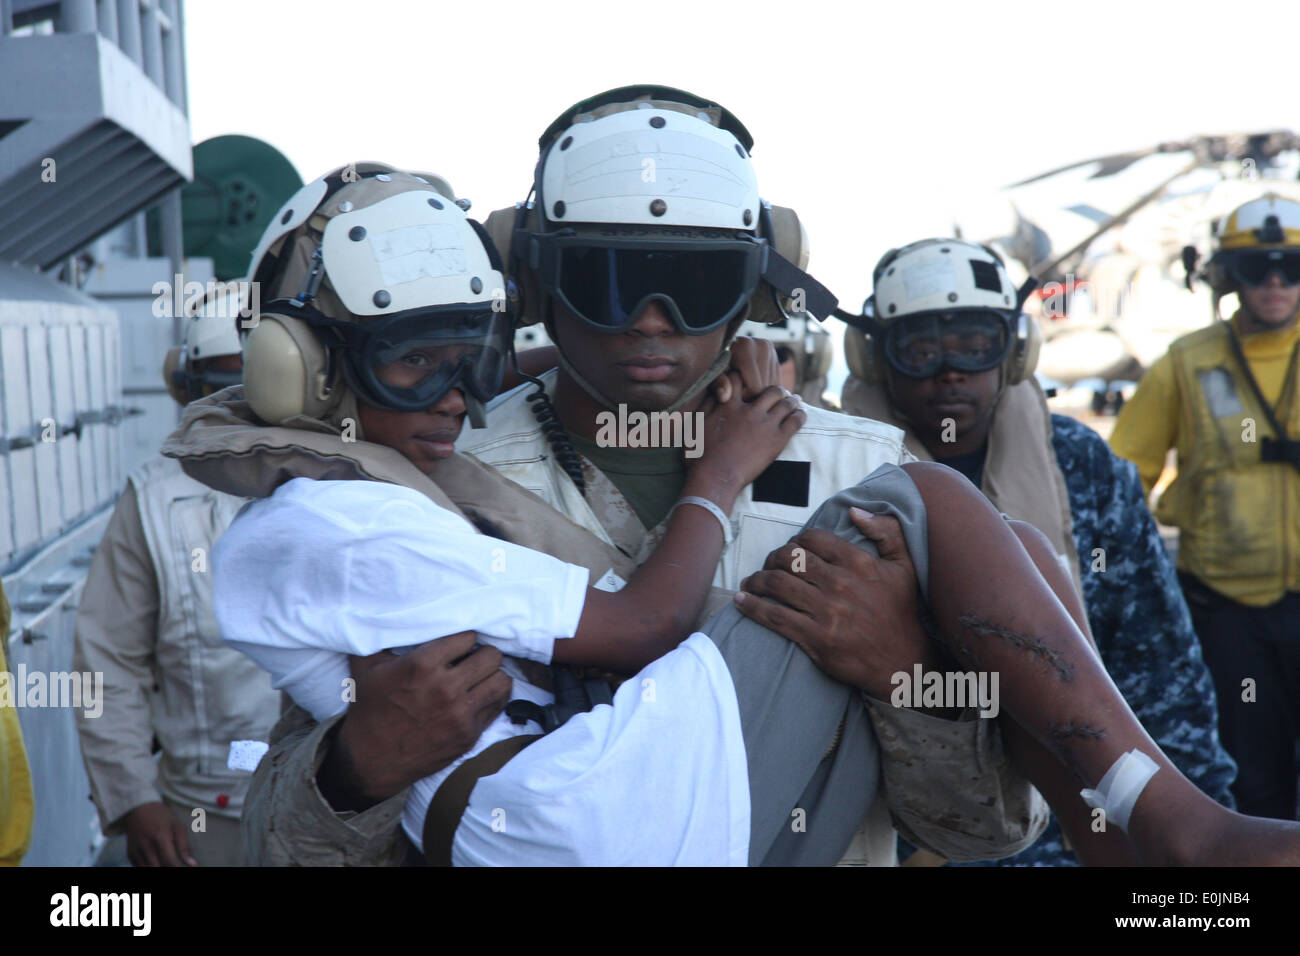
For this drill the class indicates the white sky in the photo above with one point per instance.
(876, 122)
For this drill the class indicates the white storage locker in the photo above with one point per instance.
(84, 412)
(49, 512)
(110, 361)
(67, 489)
(20, 432)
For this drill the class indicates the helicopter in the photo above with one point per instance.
(1117, 288)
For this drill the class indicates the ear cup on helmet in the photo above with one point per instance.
(1023, 357)
(173, 363)
(781, 226)
(819, 360)
(286, 370)
(500, 226)
(860, 353)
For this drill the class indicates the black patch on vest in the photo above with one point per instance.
(784, 483)
(986, 275)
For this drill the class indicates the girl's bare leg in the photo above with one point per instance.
(997, 613)
(1105, 847)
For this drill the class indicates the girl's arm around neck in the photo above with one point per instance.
(626, 630)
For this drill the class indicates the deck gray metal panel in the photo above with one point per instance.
(19, 425)
(117, 142)
(59, 380)
(44, 594)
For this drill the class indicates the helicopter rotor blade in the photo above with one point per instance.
(1048, 268)
(1208, 148)
(1109, 165)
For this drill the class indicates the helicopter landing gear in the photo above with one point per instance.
(1107, 401)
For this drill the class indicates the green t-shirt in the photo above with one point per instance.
(651, 479)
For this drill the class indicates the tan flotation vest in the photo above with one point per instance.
(1021, 476)
(209, 694)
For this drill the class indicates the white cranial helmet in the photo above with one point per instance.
(211, 331)
(361, 269)
(937, 289)
(651, 167)
(940, 275)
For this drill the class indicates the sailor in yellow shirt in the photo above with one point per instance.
(16, 804)
(1225, 397)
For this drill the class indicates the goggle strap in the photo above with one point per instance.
(862, 323)
(786, 277)
(1025, 291)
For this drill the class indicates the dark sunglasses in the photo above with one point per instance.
(1253, 268)
(703, 284)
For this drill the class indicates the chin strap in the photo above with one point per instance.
(720, 365)
(474, 410)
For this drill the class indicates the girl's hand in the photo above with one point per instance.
(754, 367)
(740, 439)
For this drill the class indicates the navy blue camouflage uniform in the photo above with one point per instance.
(1139, 620)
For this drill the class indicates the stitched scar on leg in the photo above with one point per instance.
(951, 641)
(1025, 642)
(1068, 730)
(1064, 738)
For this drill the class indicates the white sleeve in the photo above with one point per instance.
(360, 566)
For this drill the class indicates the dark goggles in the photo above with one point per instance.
(1253, 267)
(408, 361)
(921, 346)
(702, 283)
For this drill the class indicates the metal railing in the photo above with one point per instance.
(150, 32)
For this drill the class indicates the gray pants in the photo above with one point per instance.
(791, 713)
(220, 843)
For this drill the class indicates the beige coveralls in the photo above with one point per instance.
(145, 622)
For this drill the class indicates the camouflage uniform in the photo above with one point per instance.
(1139, 620)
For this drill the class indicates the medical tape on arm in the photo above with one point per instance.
(1119, 789)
